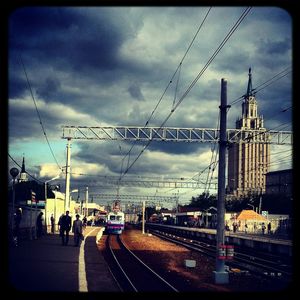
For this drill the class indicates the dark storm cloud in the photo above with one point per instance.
(49, 88)
(29, 126)
(233, 61)
(17, 86)
(78, 40)
(56, 33)
(175, 147)
(107, 153)
(270, 47)
(135, 91)
(111, 65)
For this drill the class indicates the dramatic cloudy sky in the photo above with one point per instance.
(107, 66)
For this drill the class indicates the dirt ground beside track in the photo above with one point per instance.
(165, 256)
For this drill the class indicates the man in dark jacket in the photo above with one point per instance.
(65, 227)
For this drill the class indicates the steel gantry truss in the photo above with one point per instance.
(156, 184)
(136, 197)
(173, 134)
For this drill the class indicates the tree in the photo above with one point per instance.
(204, 201)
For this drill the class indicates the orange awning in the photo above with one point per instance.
(248, 214)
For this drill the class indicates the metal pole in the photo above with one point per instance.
(14, 172)
(13, 208)
(221, 276)
(30, 236)
(143, 218)
(55, 220)
(67, 194)
(35, 228)
(260, 200)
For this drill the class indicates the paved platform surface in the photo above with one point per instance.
(45, 265)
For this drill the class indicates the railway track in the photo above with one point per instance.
(271, 266)
(131, 273)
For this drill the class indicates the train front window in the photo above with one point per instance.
(119, 218)
(112, 218)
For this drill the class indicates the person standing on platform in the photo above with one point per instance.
(269, 228)
(77, 230)
(65, 227)
(39, 224)
(52, 220)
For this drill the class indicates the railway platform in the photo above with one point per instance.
(45, 265)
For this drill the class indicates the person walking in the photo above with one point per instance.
(52, 220)
(39, 224)
(269, 228)
(77, 230)
(64, 228)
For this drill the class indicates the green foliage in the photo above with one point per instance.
(149, 211)
(204, 201)
(274, 204)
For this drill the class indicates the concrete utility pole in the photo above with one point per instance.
(143, 218)
(221, 276)
(68, 174)
(86, 201)
(46, 206)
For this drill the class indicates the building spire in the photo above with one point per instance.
(23, 166)
(23, 174)
(249, 88)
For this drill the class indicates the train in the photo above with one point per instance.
(115, 222)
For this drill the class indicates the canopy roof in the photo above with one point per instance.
(248, 214)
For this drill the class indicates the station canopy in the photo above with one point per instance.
(248, 214)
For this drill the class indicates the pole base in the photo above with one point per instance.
(221, 277)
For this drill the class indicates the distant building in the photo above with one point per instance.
(248, 162)
(23, 175)
(280, 182)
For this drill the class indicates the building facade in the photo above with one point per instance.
(280, 182)
(248, 162)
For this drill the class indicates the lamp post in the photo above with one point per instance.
(14, 172)
(46, 207)
(251, 205)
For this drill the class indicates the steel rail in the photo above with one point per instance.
(246, 259)
(127, 276)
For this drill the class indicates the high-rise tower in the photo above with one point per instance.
(248, 162)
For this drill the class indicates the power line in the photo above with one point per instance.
(232, 30)
(21, 168)
(263, 85)
(170, 81)
(37, 111)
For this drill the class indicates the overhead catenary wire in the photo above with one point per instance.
(222, 44)
(198, 174)
(265, 84)
(169, 83)
(37, 111)
(213, 161)
(26, 171)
